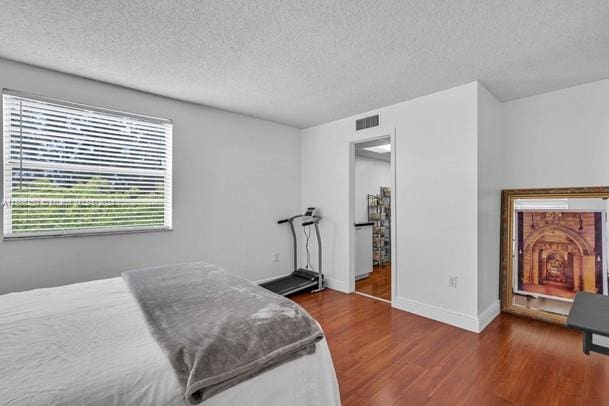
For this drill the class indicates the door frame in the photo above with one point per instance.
(370, 136)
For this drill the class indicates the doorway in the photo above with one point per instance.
(372, 201)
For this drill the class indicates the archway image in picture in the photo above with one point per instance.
(559, 253)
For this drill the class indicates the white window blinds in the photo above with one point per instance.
(71, 169)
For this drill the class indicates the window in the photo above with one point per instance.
(75, 169)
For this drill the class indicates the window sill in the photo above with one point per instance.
(83, 233)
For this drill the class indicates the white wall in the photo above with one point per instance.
(556, 139)
(234, 176)
(370, 174)
(491, 168)
(436, 196)
(455, 151)
(559, 138)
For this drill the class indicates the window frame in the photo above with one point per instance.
(7, 181)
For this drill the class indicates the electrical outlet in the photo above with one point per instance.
(275, 257)
(452, 281)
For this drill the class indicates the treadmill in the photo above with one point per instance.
(300, 279)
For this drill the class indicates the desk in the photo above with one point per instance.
(590, 314)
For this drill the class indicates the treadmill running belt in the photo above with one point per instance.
(287, 284)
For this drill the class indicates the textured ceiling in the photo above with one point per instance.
(307, 62)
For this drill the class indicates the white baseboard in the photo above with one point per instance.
(488, 315)
(340, 286)
(437, 313)
(452, 317)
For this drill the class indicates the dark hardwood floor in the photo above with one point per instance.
(385, 356)
(377, 284)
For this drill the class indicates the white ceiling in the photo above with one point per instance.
(307, 62)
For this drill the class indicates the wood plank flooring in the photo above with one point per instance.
(377, 284)
(385, 357)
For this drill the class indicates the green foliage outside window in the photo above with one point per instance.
(41, 205)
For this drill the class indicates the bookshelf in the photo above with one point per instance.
(379, 212)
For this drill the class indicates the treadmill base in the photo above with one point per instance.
(297, 281)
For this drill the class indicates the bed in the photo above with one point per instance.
(89, 344)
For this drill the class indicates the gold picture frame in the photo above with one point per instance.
(508, 198)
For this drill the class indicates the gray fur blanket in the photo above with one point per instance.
(216, 328)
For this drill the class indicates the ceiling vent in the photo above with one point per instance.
(367, 122)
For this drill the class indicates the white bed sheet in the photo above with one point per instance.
(88, 344)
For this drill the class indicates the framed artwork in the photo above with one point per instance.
(553, 245)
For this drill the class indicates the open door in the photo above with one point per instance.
(372, 184)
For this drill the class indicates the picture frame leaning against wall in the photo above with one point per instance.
(553, 244)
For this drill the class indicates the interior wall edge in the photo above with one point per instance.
(488, 315)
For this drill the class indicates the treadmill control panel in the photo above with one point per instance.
(310, 212)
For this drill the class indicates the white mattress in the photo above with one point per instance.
(88, 344)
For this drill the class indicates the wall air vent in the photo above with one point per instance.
(367, 122)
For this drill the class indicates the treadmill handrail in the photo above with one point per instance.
(290, 219)
(313, 220)
(308, 219)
